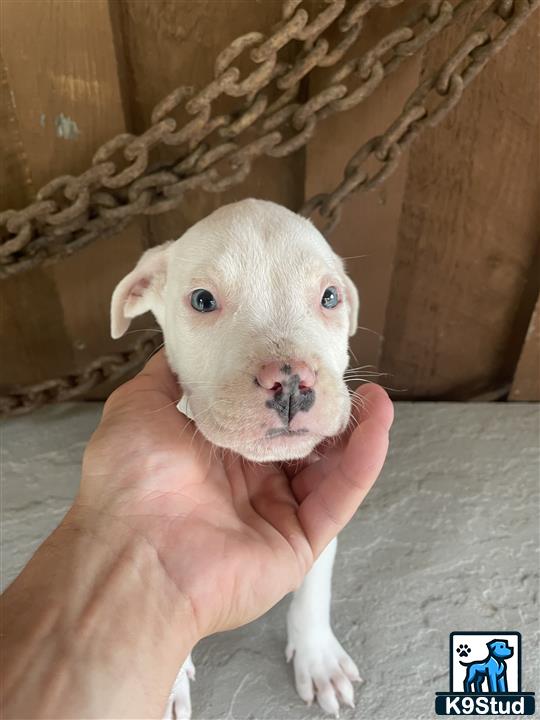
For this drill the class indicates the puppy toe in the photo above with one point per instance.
(189, 667)
(180, 698)
(304, 685)
(344, 688)
(349, 667)
(168, 714)
(326, 696)
(323, 663)
(182, 708)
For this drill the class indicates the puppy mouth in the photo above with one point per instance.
(280, 444)
(245, 426)
(279, 432)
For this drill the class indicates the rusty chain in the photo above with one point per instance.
(70, 212)
(112, 367)
(162, 189)
(446, 86)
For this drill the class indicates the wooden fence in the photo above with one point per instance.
(449, 266)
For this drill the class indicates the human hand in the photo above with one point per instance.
(233, 536)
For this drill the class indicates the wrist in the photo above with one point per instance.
(126, 562)
(109, 633)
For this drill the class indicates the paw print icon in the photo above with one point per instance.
(463, 650)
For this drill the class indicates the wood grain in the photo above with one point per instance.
(168, 44)
(450, 278)
(15, 190)
(62, 73)
(368, 231)
(526, 384)
(468, 231)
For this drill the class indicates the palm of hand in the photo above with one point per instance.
(233, 536)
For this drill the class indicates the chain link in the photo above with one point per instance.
(75, 216)
(106, 368)
(445, 86)
(93, 208)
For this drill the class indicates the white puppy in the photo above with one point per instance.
(256, 310)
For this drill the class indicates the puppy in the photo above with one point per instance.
(256, 310)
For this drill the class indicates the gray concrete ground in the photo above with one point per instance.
(447, 540)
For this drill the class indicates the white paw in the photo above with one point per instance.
(323, 670)
(179, 704)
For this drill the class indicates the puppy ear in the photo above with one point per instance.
(353, 302)
(141, 290)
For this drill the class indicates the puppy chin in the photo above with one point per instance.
(295, 446)
(279, 450)
(274, 450)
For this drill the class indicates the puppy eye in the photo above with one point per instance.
(330, 298)
(203, 301)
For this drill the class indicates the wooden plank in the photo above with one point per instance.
(370, 221)
(469, 230)
(15, 189)
(34, 340)
(169, 44)
(526, 384)
(62, 72)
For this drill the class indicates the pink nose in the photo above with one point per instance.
(273, 375)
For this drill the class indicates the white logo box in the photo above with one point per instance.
(477, 643)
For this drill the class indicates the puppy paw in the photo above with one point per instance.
(179, 704)
(323, 671)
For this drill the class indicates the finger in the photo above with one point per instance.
(292, 468)
(153, 389)
(311, 475)
(271, 499)
(334, 499)
(372, 401)
(157, 375)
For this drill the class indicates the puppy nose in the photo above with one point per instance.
(274, 375)
(289, 386)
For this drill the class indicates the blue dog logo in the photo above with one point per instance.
(491, 686)
(492, 669)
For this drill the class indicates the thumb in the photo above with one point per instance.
(157, 375)
(155, 386)
(333, 500)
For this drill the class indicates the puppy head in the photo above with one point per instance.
(500, 649)
(256, 310)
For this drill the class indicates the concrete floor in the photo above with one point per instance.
(447, 540)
